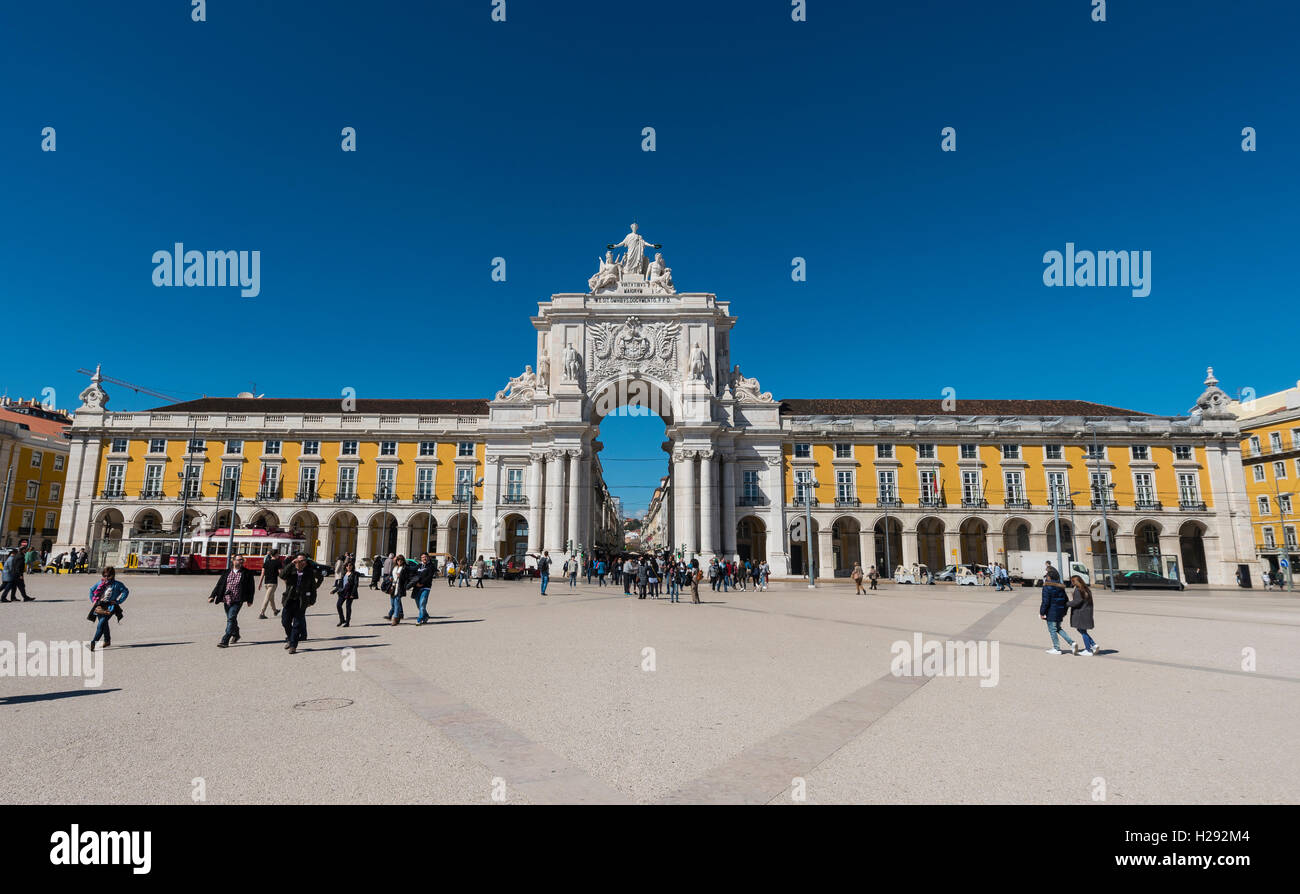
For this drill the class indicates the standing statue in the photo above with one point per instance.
(634, 261)
(660, 276)
(544, 373)
(572, 364)
(699, 364)
(606, 276)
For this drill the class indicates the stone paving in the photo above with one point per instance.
(752, 698)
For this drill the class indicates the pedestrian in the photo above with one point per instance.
(1081, 618)
(696, 575)
(600, 573)
(642, 578)
(376, 571)
(339, 564)
(421, 584)
(346, 588)
(301, 580)
(1052, 608)
(233, 589)
(478, 573)
(856, 576)
(106, 598)
(401, 582)
(451, 572)
(544, 569)
(13, 584)
(874, 576)
(272, 565)
(590, 566)
(765, 574)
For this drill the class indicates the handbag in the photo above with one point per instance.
(102, 609)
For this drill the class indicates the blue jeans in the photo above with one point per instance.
(296, 613)
(396, 610)
(232, 621)
(546, 579)
(101, 629)
(1054, 628)
(573, 578)
(1088, 642)
(422, 600)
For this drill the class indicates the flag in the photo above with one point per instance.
(263, 481)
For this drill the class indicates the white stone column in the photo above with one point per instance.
(575, 498)
(363, 542)
(535, 502)
(708, 503)
(729, 505)
(866, 549)
(555, 503)
(444, 539)
(910, 548)
(690, 506)
(778, 551)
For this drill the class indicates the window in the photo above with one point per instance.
(844, 451)
(1275, 441)
(307, 481)
(388, 448)
(1015, 483)
(193, 480)
(1054, 451)
(234, 447)
(349, 448)
(1258, 472)
(1288, 534)
(884, 451)
(347, 482)
(153, 480)
(1269, 542)
(1099, 485)
(1182, 451)
(28, 519)
(1011, 451)
(56, 490)
(802, 451)
(198, 445)
(428, 448)
(1295, 438)
(970, 487)
(887, 484)
(969, 451)
(424, 484)
(465, 448)
(464, 483)
(1297, 465)
(1263, 504)
(119, 445)
(385, 488)
(749, 486)
(929, 485)
(157, 445)
(1188, 490)
(49, 524)
(1254, 445)
(116, 476)
(229, 481)
(802, 485)
(1096, 451)
(58, 462)
(1279, 470)
(1146, 492)
(33, 490)
(514, 484)
(271, 479)
(1056, 489)
(311, 448)
(1284, 503)
(925, 451)
(1140, 451)
(272, 448)
(844, 489)
(38, 458)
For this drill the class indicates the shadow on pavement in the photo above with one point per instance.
(49, 696)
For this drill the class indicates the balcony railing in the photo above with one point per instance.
(1016, 503)
(268, 493)
(150, 495)
(425, 496)
(1063, 503)
(933, 503)
(24, 529)
(189, 495)
(384, 496)
(347, 496)
(889, 503)
(752, 500)
(1109, 504)
(1147, 505)
(49, 532)
(112, 493)
(306, 496)
(1191, 505)
(974, 503)
(853, 502)
(804, 501)
(517, 499)
(461, 497)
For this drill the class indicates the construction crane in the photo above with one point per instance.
(139, 389)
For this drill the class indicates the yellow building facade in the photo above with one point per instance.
(1270, 453)
(33, 471)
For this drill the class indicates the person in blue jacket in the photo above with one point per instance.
(1053, 607)
(108, 592)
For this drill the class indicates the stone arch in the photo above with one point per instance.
(266, 519)
(634, 389)
(974, 532)
(1191, 548)
(1015, 536)
(384, 529)
(751, 539)
(456, 531)
(1068, 541)
(147, 522)
(304, 524)
(224, 518)
(888, 536)
(845, 544)
(421, 536)
(191, 518)
(513, 542)
(799, 552)
(343, 528)
(929, 543)
(1146, 545)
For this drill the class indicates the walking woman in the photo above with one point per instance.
(106, 598)
(347, 590)
(401, 580)
(1081, 614)
(233, 588)
(856, 576)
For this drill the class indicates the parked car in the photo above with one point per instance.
(1144, 580)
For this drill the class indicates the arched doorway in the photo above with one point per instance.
(420, 536)
(222, 519)
(147, 523)
(889, 546)
(343, 535)
(751, 539)
(1015, 537)
(1097, 539)
(191, 520)
(456, 527)
(929, 543)
(266, 520)
(304, 524)
(974, 542)
(383, 533)
(1066, 540)
(108, 531)
(1191, 544)
(1146, 543)
(513, 542)
(799, 552)
(845, 545)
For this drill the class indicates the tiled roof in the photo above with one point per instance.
(934, 407)
(326, 405)
(35, 423)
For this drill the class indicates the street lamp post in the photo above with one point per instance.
(1105, 500)
(1074, 546)
(469, 526)
(230, 541)
(1286, 547)
(810, 489)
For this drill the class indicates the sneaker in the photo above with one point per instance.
(1074, 648)
(222, 645)
(293, 650)
(1096, 647)
(1055, 652)
(1084, 654)
(261, 617)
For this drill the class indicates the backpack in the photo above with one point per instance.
(699, 575)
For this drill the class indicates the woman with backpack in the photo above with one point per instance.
(1081, 615)
(106, 598)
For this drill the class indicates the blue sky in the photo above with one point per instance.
(775, 139)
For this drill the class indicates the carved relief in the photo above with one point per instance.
(634, 347)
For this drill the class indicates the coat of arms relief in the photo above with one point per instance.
(634, 347)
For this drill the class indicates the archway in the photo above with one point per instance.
(1097, 535)
(889, 546)
(305, 525)
(974, 542)
(1066, 540)
(266, 520)
(1015, 537)
(799, 552)
(929, 543)
(1146, 546)
(420, 536)
(845, 545)
(459, 549)
(222, 519)
(147, 522)
(343, 535)
(513, 542)
(1191, 543)
(383, 533)
(108, 531)
(751, 539)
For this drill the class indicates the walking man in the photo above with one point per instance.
(544, 569)
(233, 589)
(300, 583)
(272, 565)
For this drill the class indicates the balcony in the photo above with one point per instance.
(751, 500)
(24, 530)
(932, 503)
(889, 503)
(974, 503)
(49, 532)
(1063, 503)
(268, 493)
(1191, 505)
(1147, 505)
(1016, 503)
(111, 493)
(515, 499)
(425, 496)
(1108, 504)
(804, 501)
(150, 495)
(849, 502)
(306, 496)
(346, 496)
(383, 496)
(462, 497)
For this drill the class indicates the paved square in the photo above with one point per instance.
(548, 698)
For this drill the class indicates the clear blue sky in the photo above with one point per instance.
(775, 139)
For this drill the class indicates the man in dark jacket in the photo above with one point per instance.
(1052, 608)
(421, 582)
(233, 590)
(301, 579)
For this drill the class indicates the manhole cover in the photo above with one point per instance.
(324, 704)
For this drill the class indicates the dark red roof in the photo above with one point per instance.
(326, 405)
(934, 407)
